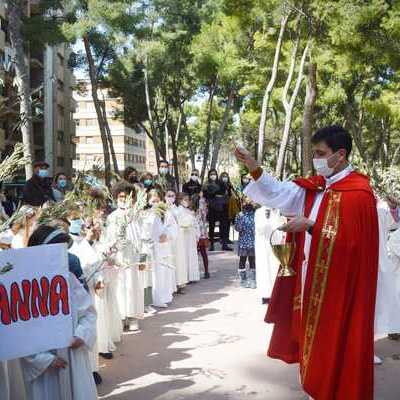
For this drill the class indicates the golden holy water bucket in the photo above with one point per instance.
(284, 252)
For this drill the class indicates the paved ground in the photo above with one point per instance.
(210, 345)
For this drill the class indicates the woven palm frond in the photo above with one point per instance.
(12, 164)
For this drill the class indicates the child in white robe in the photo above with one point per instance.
(43, 372)
(181, 272)
(88, 249)
(125, 235)
(163, 233)
(188, 236)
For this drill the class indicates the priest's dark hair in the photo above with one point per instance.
(335, 137)
(123, 187)
(42, 232)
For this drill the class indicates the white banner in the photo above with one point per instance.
(35, 306)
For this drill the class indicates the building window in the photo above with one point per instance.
(78, 157)
(60, 161)
(89, 140)
(60, 136)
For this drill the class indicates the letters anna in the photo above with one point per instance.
(32, 299)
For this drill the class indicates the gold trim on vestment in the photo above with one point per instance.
(297, 303)
(320, 276)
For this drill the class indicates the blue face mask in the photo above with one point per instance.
(75, 227)
(62, 183)
(148, 182)
(43, 173)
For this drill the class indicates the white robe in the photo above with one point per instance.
(389, 286)
(42, 382)
(162, 271)
(90, 258)
(171, 228)
(387, 313)
(188, 235)
(129, 286)
(290, 199)
(267, 264)
(181, 269)
(12, 384)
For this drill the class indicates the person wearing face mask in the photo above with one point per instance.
(38, 190)
(147, 180)
(165, 180)
(162, 232)
(217, 195)
(131, 175)
(126, 284)
(245, 225)
(244, 181)
(234, 205)
(193, 185)
(331, 299)
(188, 236)
(60, 184)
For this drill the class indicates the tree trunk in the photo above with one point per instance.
(220, 134)
(15, 11)
(154, 131)
(174, 146)
(269, 88)
(97, 106)
(192, 153)
(308, 119)
(206, 149)
(289, 106)
(150, 136)
(110, 139)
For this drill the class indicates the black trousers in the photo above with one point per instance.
(223, 219)
(243, 259)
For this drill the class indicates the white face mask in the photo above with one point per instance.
(153, 202)
(213, 177)
(121, 204)
(225, 179)
(194, 178)
(322, 168)
(170, 200)
(164, 171)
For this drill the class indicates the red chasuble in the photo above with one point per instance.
(331, 334)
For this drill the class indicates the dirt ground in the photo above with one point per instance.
(210, 345)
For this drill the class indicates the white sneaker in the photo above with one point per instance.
(161, 305)
(377, 360)
(150, 310)
(134, 326)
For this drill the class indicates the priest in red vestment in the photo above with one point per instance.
(324, 315)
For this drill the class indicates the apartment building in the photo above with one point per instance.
(52, 82)
(151, 161)
(129, 144)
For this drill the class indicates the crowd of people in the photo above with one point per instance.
(145, 242)
(127, 259)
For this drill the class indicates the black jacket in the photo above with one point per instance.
(191, 188)
(217, 195)
(37, 191)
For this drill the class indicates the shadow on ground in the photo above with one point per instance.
(139, 356)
